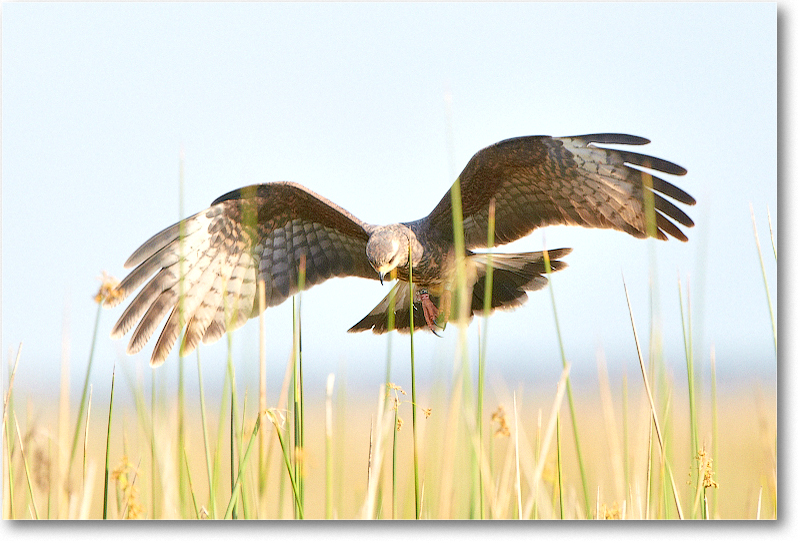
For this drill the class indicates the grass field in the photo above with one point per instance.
(618, 447)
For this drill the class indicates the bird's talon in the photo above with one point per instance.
(430, 311)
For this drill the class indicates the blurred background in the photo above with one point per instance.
(378, 107)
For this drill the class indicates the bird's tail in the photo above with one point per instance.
(512, 276)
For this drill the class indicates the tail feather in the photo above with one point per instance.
(512, 276)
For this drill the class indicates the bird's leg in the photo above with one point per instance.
(429, 309)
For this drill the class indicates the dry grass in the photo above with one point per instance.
(746, 464)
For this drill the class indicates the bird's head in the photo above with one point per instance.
(387, 248)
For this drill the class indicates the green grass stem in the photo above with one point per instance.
(772, 236)
(206, 447)
(560, 470)
(84, 391)
(462, 305)
(417, 502)
(626, 468)
(86, 437)
(7, 399)
(263, 458)
(297, 380)
(27, 470)
(653, 407)
(573, 417)
(545, 443)
(686, 325)
(240, 474)
(766, 283)
(8, 404)
(191, 486)
(273, 418)
(108, 446)
(487, 306)
(7, 408)
(517, 472)
(152, 427)
(394, 463)
(714, 421)
(234, 435)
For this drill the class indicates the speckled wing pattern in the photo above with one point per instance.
(540, 180)
(262, 231)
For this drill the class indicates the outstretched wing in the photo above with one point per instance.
(257, 232)
(540, 180)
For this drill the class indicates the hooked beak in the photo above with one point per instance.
(381, 276)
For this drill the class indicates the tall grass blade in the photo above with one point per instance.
(240, 473)
(7, 399)
(560, 469)
(274, 419)
(86, 437)
(616, 461)
(242, 491)
(390, 324)
(368, 510)
(152, 427)
(487, 306)
(232, 450)
(191, 486)
(686, 325)
(417, 502)
(652, 405)
(766, 283)
(262, 389)
(235, 438)
(206, 447)
(548, 437)
(329, 447)
(772, 235)
(7, 407)
(714, 420)
(394, 462)
(462, 306)
(84, 391)
(564, 364)
(758, 506)
(283, 404)
(649, 483)
(63, 421)
(625, 433)
(297, 378)
(27, 470)
(108, 445)
(517, 482)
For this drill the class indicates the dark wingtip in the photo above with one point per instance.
(612, 138)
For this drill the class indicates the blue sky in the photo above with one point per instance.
(378, 107)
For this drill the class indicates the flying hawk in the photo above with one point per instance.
(266, 232)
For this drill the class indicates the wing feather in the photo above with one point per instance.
(258, 232)
(540, 180)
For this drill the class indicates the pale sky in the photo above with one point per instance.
(378, 107)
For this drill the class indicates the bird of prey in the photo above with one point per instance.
(205, 269)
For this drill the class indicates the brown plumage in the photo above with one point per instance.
(263, 232)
